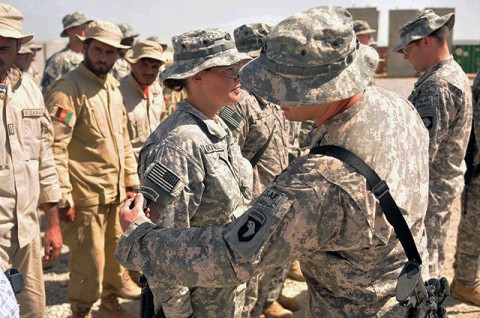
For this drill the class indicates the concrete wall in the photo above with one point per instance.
(397, 66)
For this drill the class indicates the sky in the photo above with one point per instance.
(167, 18)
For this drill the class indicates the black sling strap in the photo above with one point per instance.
(381, 191)
(261, 151)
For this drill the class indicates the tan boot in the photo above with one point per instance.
(110, 307)
(81, 313)
(130, 289)
(466, 294)
(289, 303)
(275, 310)
(294, 272)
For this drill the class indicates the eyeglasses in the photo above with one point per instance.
(407, 47)
(231, 71)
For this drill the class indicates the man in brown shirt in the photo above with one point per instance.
(97, 170)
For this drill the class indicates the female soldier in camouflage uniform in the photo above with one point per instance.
(204, 177)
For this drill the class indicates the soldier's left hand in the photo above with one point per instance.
(52, 242)
(127, 215)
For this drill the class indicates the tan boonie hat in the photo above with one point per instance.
(422, 25)
(127, 31)
(34, 46)
(249, 38)
(362, 27)
(105, 32)
(25, 50)
(72, 20)
(156, 38)
(11, 21)
(199, 50)
(145, 49)
(311, 58)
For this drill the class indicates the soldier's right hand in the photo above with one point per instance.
(67, 214)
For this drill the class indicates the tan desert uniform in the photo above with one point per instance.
(94, 159)
(27, 179)
(144, 112)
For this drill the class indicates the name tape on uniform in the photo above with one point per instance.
(35, 112)
(211, 148)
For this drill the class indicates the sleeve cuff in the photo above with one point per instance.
(50, 195)
(66, 201)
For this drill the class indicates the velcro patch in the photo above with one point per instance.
(63, 115)
(163, 177)
(35, 112)
(211, 148)
(255, 227)
(230, 116)
(427, 109)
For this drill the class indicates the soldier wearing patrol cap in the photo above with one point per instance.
(262, 132)
(465, 284)
(319, 210)
(141, 92)
(121, 68)
(27, 171)
(363, 32)
(71, 56)
(94, 158)
(443, 99)
(202, 177)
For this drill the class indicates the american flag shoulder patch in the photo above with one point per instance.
(63, 115)
(163, 177)
(230, 116)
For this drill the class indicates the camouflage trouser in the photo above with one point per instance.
(270, 287)
(251, 297)
(467, 257)
(436, 224)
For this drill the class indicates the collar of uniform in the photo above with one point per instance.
(104, 82)
(217, 130)
(14, 78)
(136, 87)
(432, 70)
(338, 120)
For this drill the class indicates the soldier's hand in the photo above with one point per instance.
(130, 193)
(67, 214)
(127, 215)
(52, 244)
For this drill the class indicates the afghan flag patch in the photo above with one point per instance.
(63, 115)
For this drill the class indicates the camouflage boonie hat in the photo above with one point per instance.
(145, 49)
(362, 27)
(11, 21)
(311, 58)
(156, 38)
(25, 50)
(72, 20)
(422, 25)
(249, 38)
(198, 50)
(127, 31)
(105, 32)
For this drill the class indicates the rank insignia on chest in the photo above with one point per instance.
(63, 115)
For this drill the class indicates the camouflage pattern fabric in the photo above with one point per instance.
(121, 68)
(206, 181)
(467, 260)
(58, 65)
(442, 97)
(319, 210)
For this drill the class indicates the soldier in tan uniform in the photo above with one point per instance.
(71, 56)
(27, 172)
(97, 169)
(121, 68)
(319, 209)
(141, 92)
(443, 98)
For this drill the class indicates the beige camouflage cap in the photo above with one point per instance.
(422, 25)
(311, 58)
(249, 38)
(25, 50)
(127, 31)
(145, 49)
(72, 20)
(156, 38)
(106, 32)
(198, 50)
(11, 21)
(34, 46)
(362, 27)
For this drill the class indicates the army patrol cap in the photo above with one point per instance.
(145, 49)
(105, 32)
(156, 38)
(127, 31)
(72, 20)
(311, 58)
(422, 25)
(362, 27)
(11, 21)
(249, 38)
(199, 50)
